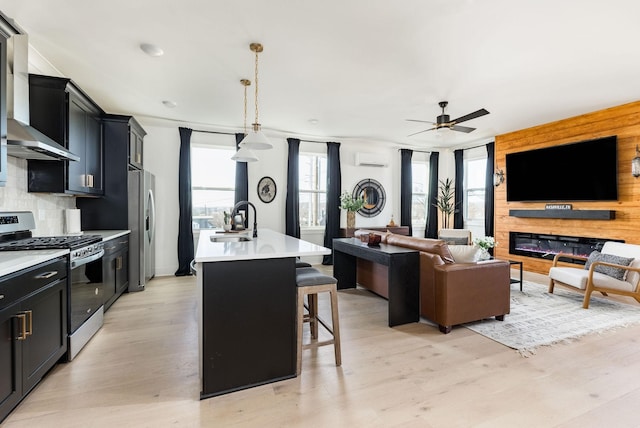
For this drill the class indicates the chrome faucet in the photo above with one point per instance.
(255, 215)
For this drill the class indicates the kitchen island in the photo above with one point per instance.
(247, 308)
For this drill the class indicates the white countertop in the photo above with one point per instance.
(268, 245)
(13, 261)
(107, 235)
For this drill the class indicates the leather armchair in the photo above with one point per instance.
(455, 293)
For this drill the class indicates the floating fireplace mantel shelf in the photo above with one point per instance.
(574, 214)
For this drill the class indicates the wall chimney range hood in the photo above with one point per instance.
(23, 140)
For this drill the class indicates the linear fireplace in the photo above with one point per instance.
(546, 246)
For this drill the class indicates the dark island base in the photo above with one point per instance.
(248, 324)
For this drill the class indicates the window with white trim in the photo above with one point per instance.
(419, 192)
(213, 175)
(312, 189)
(475, 164)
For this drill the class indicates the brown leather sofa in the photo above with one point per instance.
(455, 293)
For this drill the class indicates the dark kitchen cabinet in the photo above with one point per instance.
(115, 269)
(59, 109)
(111, 212)
(33, 328)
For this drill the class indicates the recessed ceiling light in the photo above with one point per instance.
(313, 121)
(169, 103)
(151, 50)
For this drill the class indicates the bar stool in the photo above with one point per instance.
(310, 282)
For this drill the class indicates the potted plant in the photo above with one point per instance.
(445, 201)
(485, 244)
(351, 204)
(226, 221)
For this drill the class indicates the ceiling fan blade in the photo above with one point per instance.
(421, 121)
(416, 133)
(462, 128)
(470, 116)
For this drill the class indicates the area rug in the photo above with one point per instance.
(538, 318)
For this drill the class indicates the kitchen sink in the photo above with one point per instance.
(227, 237)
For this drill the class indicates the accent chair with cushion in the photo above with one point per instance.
(455, 236)
(615, 269)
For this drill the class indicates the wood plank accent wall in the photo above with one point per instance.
(623, 121)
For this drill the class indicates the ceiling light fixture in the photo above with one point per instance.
(256, 140)
(151, 50)
(169, 103)
(244, 154)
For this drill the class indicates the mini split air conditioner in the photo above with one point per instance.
(371, 159)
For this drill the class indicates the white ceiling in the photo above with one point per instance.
(358, 67)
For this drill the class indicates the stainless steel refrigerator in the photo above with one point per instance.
(142, 223)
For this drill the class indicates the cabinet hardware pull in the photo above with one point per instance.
(29, 331)
(118, 262)
(1, 296)
(47, 275)
(89, 180)
(110, 248)
(23, 330)
(138, 157)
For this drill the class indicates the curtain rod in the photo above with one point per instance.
(213, 132)
(419, 151)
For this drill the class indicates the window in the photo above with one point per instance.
(213, 176)
(419, 192)
(312, 175)
(474, 182)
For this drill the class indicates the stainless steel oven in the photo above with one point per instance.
(85, 293)
(86, 299)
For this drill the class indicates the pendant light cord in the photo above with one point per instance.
(256, 92)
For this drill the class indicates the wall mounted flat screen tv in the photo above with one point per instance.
(584, 171)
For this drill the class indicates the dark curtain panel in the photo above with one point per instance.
(185, 233)
(458, 221)
(292, 209)
(489, 192)
(406, 188)
(334, 185)
(431, 229)
(242, 180)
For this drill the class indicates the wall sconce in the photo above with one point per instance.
(635, 164)
(498, 177)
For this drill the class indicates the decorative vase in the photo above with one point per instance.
(484, 254)
(351, 219)
(226, 227)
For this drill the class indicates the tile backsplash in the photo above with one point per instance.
(47, 209)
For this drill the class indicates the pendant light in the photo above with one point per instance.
(244, 154)
(256, 140)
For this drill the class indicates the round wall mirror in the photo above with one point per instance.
(373, 194)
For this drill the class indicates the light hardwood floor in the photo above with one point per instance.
(141, 370)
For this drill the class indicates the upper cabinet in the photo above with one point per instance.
(59, 109)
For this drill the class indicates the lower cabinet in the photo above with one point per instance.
(115, 269)
(33, 328)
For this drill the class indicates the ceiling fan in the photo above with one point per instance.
(443, 122)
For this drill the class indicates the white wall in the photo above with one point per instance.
(47, 209)
(161, 155)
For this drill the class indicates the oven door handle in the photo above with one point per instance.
(85, 260)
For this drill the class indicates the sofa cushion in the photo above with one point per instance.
(576, 277)
(450, 240)
(434, 246)
(464, 253)
(617, 273)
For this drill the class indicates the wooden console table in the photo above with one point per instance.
(398, 230)
(403, 278)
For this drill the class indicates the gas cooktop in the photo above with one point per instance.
(50, 242)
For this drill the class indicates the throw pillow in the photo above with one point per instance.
(611, 271)
(464, 253)
(456, 241)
